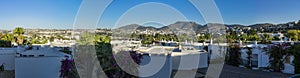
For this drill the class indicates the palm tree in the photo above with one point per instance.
(18, 32)
(20, 39)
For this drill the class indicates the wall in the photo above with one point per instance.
(189, 61)
(163, 71)
(264, 58)
(37, 67)
(7, 57)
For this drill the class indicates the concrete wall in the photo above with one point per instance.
(217, 51)
(189, 61)
(288, 67)
(264, 60)
(163, 71)
(7, 57)
(37, 67)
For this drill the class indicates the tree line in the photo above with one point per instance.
(18, 36)
(150, 38)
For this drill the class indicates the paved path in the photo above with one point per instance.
(236, 72)
(186, 74)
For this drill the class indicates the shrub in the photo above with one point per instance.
(234, 55)
(5, 43)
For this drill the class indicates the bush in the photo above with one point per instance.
(66, 50)
(234, 55)
(2, 68)
(5, 43)
(109, 64)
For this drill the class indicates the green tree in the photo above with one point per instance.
(8, 37)
(294, 50)
(276, 55)
(51, 39)
(20, 39)
(268, 37)
(207, 36)
(35, 41)
(1, 68)
(296, 61)
(253, 37)
(276, 38)
(158, 37)
(234, 55)
(97, 38)
(253, 32)
(5, 43)
(134, 35)
(201, 38)
(244, 37)
(230, 38)
(86, 39)
(61, 37)
(44, 41)
(249, 53)
(18, 32)
(34, 36)
(105, 39)
(148, 39)
(293, 34)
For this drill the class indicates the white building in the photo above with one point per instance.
(7, 58)
(44, 62)
(189, 58)
(164, 59)
(291, 24)
(134, 44)
(260, 58)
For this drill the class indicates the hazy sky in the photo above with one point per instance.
(60, 14)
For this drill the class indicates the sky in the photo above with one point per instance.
(61, 14)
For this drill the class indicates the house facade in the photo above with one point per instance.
(260, 58)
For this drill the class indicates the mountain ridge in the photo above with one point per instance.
(193, 27)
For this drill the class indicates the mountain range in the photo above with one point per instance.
(193, 27)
